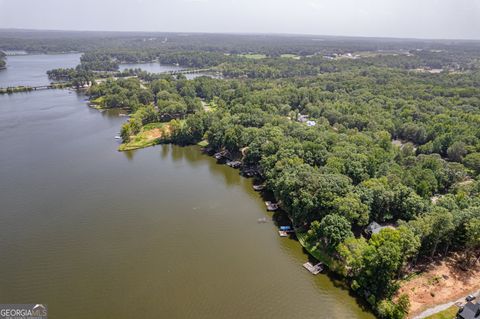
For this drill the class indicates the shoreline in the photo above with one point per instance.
(318, 254)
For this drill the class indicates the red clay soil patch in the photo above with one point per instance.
(153, 134)
(442, 282)
(156, 133)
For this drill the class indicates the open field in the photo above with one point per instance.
(148, 136)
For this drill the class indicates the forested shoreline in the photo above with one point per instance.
(393, 137)
(391, 146)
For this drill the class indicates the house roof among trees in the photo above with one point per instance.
(470, 311)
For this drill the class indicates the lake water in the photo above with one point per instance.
(150, 67)
(31, 70)
(160, 68)
(163, 232)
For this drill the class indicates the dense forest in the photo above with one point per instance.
(389, 145)
(342, 133)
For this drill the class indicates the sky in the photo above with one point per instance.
(444, 19)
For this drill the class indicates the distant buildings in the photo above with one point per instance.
(375, 228)
(304, 119)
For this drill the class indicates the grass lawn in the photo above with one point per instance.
(98, 102)
(148, 136)
(449, 313)
(254, 56)
(203, 143)
(314, 251)
(290, 56)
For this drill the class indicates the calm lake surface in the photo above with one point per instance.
(160, 68)
(150, 67)
(163, 232)
(31, 70)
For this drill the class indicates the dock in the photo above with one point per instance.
(234, 164)
(285, 230)
(271, 206)
(222, 155)
(314, 269)
(259, 187)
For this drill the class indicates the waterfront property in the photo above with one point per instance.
(375, 228)
(186, 210)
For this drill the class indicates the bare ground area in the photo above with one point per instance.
(147, 137)
(153, 134)
(440, 283)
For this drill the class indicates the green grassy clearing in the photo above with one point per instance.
(148, 136)
(449, 313)
(254, 56)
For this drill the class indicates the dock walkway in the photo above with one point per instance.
(314, 269)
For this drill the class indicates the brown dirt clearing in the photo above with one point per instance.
(442, 282)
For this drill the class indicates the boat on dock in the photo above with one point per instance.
(260, 187)
(271, 206)
(234, 164)
(221, 155)
(285, 230)
(314, 269)
(251, 171)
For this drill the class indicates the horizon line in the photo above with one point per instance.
(247, 33)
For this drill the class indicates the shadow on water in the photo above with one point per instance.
(193, 156)
(280, 218)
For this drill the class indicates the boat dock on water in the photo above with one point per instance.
(258, 188)
(221, 155)
(285, 230)
(271, 206)
(234, 164)
(314, 269)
